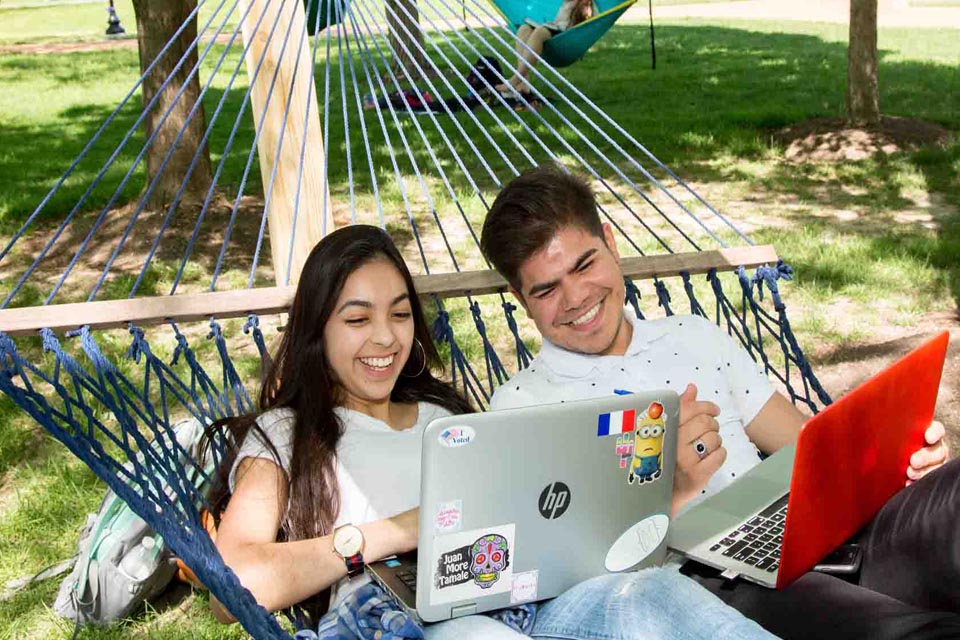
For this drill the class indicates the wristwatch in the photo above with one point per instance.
(348, 544)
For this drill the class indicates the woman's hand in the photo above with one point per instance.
(406, 527)
(390, 536)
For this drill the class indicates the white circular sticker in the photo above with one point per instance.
(636, 543)
(456, 436)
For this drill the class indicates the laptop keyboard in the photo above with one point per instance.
(408, 578)
(757, 542)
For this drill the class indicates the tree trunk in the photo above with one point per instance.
(863, 90)
(406, 38)
(157, 21)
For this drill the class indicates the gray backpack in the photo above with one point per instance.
(122, 562)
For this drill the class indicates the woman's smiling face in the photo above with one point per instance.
(370, 333)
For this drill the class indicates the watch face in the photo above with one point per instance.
(347, 541)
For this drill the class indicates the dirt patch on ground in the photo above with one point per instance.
(92, 45)
(836, 140)
(68, 47)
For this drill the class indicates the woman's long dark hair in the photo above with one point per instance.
(300, 378)
(582, 12)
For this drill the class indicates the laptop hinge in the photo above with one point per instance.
(463, 610)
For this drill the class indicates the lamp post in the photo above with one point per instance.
(113, 22)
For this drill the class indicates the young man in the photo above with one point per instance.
(544, 235)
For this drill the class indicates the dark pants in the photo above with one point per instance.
(909, 584)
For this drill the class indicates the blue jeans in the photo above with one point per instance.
(653, 604)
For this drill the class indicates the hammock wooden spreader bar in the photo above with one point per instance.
(232, 304)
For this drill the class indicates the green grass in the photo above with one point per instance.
(709, 110)
(68, 22)
(60, 22)
(82, 22)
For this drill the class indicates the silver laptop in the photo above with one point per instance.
(520, 505)
(740, 529)
(847, 462)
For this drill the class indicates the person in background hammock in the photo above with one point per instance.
(532, 36)
(337, 449)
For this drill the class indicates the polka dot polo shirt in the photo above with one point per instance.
(667, 353)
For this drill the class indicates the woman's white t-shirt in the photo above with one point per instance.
(564, 14)
(378, 468)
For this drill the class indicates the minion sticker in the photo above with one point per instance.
(647, 462)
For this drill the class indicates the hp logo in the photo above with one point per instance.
(554, 500)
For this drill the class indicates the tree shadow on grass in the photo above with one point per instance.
(839, 256)
(718, 92)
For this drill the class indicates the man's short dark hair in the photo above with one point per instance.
(529, 211)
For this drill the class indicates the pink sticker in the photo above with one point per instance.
(524, 586)
(449, 517)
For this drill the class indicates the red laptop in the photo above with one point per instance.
(848, 461)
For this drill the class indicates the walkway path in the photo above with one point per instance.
(891, 13)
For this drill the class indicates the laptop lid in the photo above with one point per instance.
(520, 505)
(851, 458)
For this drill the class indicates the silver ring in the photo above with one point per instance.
(700, 447)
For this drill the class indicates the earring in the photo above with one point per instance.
(423, 360)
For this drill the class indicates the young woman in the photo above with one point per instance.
(532, 36)
(334, 461)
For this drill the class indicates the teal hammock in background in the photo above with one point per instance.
(568, 46)
(561, 50)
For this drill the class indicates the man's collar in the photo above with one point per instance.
(572, 364)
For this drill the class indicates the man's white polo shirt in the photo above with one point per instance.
(666, 353)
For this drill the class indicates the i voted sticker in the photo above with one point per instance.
(457, 436)
(636, 543)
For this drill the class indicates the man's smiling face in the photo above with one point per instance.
(573, 290)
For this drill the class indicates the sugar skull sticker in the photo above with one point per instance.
(489, 556)
(647, 462)
(472, 564)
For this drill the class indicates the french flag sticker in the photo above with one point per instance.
(611, 424)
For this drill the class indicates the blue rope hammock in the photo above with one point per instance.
(428, 178)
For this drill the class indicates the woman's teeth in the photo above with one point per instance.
(587, 317)
(378, 363)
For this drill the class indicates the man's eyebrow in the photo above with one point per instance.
(586, 255)
(543, 286)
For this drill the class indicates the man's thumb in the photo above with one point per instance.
(689, 394)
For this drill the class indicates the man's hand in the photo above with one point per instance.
(698, 424)
(930, 457)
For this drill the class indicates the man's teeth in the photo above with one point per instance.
(588, 316)
(378, 363)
